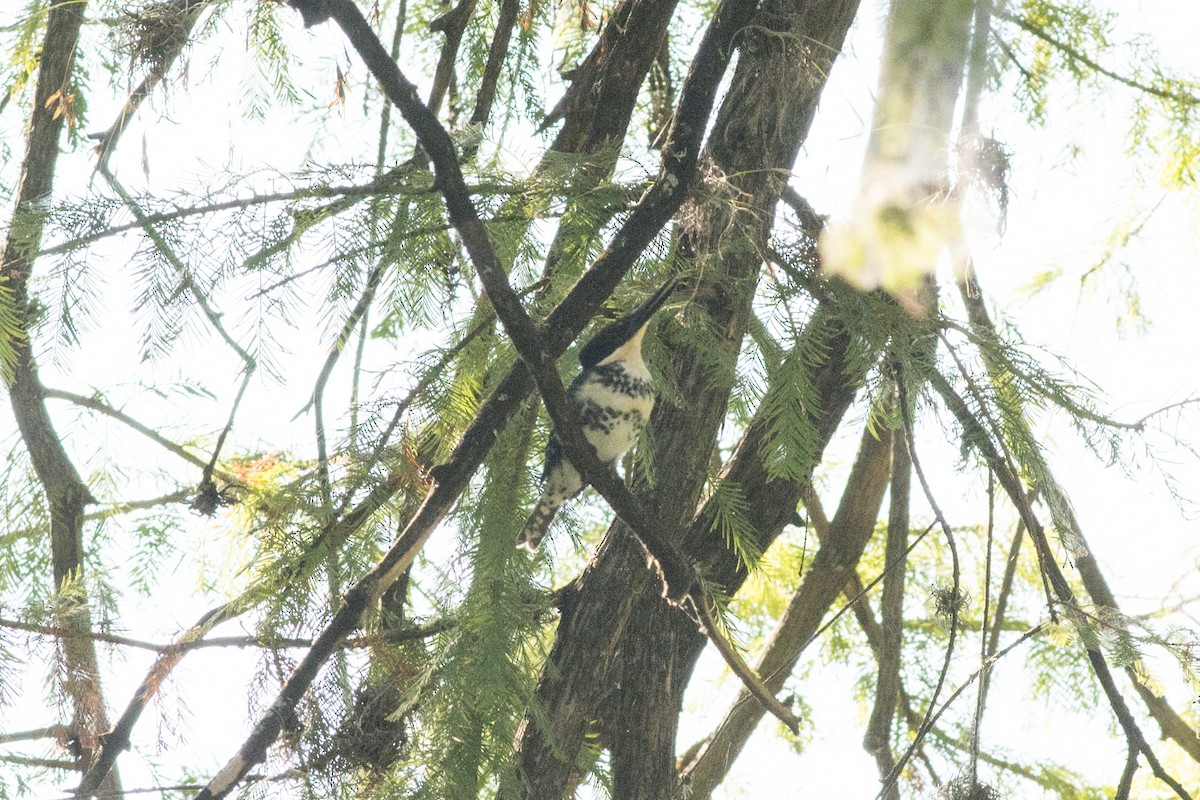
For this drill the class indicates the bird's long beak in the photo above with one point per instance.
(624, 335)
(642, 314)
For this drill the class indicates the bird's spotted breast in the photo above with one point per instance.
(614, 403)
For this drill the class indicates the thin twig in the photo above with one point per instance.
(906, 420)
(114, 509)
(708, 626)
(345, 195)
(850, 601)
(60, 732)
(95, 403)
(985, 341)
(317, 400)
(154, 647)
(980, 696)
(188, 281)
(933, 716)
(997, 442)
(1077, 55)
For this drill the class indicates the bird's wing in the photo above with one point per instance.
(554, 455)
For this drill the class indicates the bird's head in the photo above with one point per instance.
(626, 330)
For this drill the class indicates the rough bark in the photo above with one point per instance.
(66, 493)
(755, 141)
(617, 612)
(596, 109)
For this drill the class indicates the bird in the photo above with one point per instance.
(614, 395)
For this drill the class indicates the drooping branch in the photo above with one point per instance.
(1172, 724)
(848, 535)
(981, 694)
(96, 403)
(1073, 53)
(1063, 594)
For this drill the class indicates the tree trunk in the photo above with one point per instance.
(622, 657)
(66, 493)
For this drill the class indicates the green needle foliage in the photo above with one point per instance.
(250, 359)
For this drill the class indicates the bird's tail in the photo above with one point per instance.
(538, 523)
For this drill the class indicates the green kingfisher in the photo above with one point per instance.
(614, 395)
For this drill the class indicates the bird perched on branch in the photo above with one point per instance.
(613, 395)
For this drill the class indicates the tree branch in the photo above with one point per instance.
(1173, 726)
(955, 595)
(506, 20)
(1076, 55)
(452, 25)
(877, 740)
(678, 575)
(59, 732)
(96, 403)
(822, 583)
(66, 493)
(188, 12)
(752, 683)
(1063, 595)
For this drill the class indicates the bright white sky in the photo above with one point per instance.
(1059, 218)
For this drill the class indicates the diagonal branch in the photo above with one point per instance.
(1073, 53)
(188, 12)
(664, 196)
(96, 403)
(1064, 596)
(678, 575)
(506, 20)
(1172, 724)
(849, 533)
